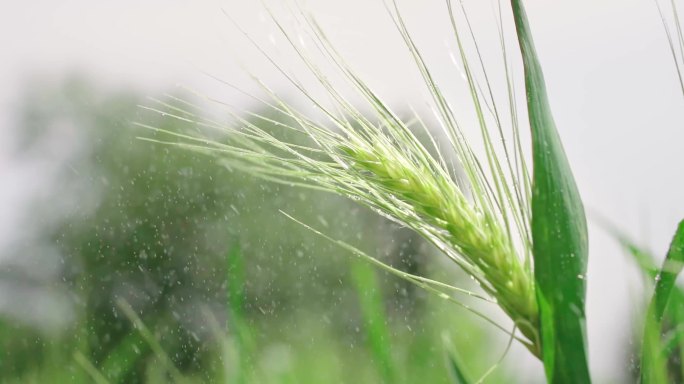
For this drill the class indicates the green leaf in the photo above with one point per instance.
(653, 363)
(373, 311)
(559, 230)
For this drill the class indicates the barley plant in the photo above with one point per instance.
(512, 220)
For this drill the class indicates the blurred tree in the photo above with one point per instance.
(152, 224)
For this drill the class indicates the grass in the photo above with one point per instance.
(662, 339)
(664, 285)
(375, 319)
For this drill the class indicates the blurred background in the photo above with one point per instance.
(139, 263)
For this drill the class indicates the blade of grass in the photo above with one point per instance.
(670, 340)
(228, 356)
(236, 318)
(674, 311)
(653, 365)
(559, 230)
(87, 366)
(123, 358)
(457, 373)
(375, 320)
(675, 316)
(151, 340)
(653, 361)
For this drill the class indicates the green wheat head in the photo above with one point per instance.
(521, 235)
(480, 221)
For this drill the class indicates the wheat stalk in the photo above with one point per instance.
(481, 221)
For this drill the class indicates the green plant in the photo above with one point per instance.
(520, 234)
(384, 166)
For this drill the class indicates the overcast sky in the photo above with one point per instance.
(611, 80)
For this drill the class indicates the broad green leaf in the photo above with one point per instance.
(653, 363)
(559, 230)
(375, 321)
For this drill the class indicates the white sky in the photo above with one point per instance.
(611, 81)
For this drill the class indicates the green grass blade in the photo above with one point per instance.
(674, 311)
(237, 324)
(455, 367)
(95, 375)
(375, 320)
(642, 257)
(123, 358)
(236, 281)
(653, 363)
(675, 315)
(559, 230)
(149, 337)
